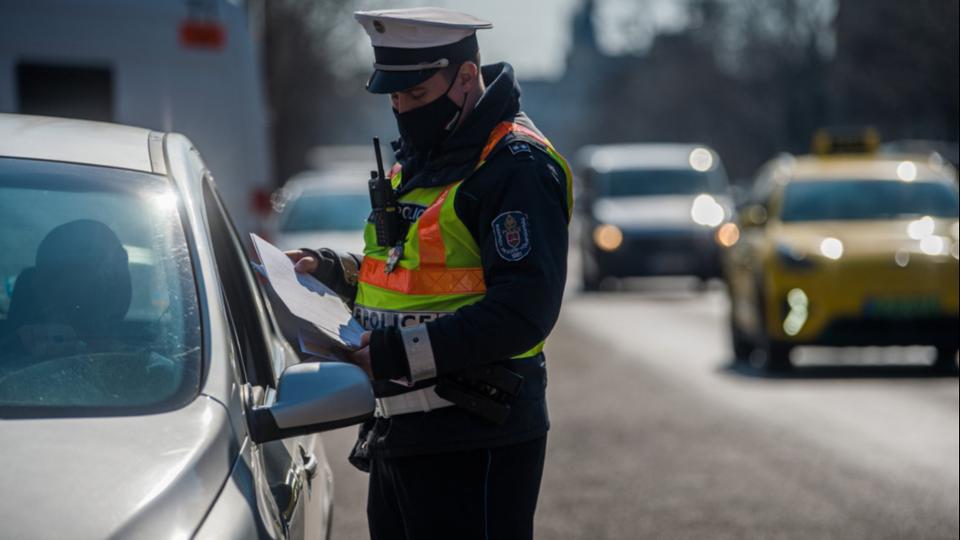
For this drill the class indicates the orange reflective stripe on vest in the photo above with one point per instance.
(432, 250)
(428, 280)
(394, 170)
(503, 129)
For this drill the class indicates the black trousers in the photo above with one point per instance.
(485, 494)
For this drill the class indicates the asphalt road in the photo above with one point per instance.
(655, 435)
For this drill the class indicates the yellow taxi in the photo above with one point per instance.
(844, 249)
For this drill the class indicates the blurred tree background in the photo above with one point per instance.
(314, 82)
(749, 77)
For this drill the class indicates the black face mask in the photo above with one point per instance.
(425, 127)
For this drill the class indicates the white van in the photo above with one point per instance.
(189, 66)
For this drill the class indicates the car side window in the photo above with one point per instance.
(249, 316)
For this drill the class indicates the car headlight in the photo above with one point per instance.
(608, 237)
(935, 245)
(728, 234)
(707, 211)
(797, 310)
(921, 228)
(831, 248)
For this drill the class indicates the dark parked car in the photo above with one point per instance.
(651, 210)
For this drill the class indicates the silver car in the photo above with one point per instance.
(145, 391)
(326, 208)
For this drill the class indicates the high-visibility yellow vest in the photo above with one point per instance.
(440, 270)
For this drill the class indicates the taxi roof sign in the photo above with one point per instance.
(827, 141)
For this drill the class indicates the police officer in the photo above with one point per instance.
(459, 308)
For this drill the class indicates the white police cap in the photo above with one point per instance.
(410, 45)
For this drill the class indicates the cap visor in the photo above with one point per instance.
(385, 82)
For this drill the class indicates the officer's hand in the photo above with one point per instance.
(303, 262)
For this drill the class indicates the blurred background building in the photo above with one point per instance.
(750, 78)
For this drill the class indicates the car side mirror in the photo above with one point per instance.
(754, 215)
(313, 397)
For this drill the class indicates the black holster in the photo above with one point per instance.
(484, 391)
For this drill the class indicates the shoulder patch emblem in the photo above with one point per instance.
(511, 234)
(519, 147)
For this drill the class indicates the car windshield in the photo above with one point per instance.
(654, 182)
(326, 211)
(867, 199)
(98, 305)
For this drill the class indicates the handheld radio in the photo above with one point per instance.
(383, 200)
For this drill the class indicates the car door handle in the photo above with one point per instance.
(309, 463)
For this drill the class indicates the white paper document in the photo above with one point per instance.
(307, 298)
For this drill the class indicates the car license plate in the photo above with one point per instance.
(902, 307)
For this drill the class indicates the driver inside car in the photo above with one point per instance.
(73, 299)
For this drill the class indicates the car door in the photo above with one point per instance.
(293, 472)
